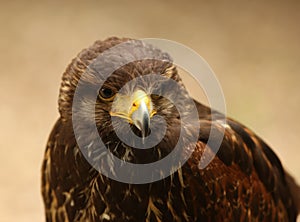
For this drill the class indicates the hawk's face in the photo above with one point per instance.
(139, 99)
(138, 102)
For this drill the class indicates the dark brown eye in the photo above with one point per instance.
(155, 96)
(106, 93)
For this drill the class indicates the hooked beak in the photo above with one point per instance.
(141, 118)
(137, 109)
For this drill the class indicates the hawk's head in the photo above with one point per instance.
(125, 90)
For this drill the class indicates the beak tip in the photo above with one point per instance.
(143, 126)
(141, 113)
(142, 121)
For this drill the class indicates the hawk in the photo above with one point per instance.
(245, 181)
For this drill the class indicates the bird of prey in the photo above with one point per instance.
(245, 181)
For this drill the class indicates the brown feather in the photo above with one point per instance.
(244, 182)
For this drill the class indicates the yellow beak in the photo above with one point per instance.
(137, 109)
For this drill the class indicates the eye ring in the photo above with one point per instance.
(106, 94)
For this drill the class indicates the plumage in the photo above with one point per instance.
(244, 182)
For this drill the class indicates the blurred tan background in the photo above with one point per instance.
(253, 47)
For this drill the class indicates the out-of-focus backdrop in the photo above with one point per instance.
(253, 47)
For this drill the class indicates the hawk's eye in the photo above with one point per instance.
(155, 96)
(106, 93)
